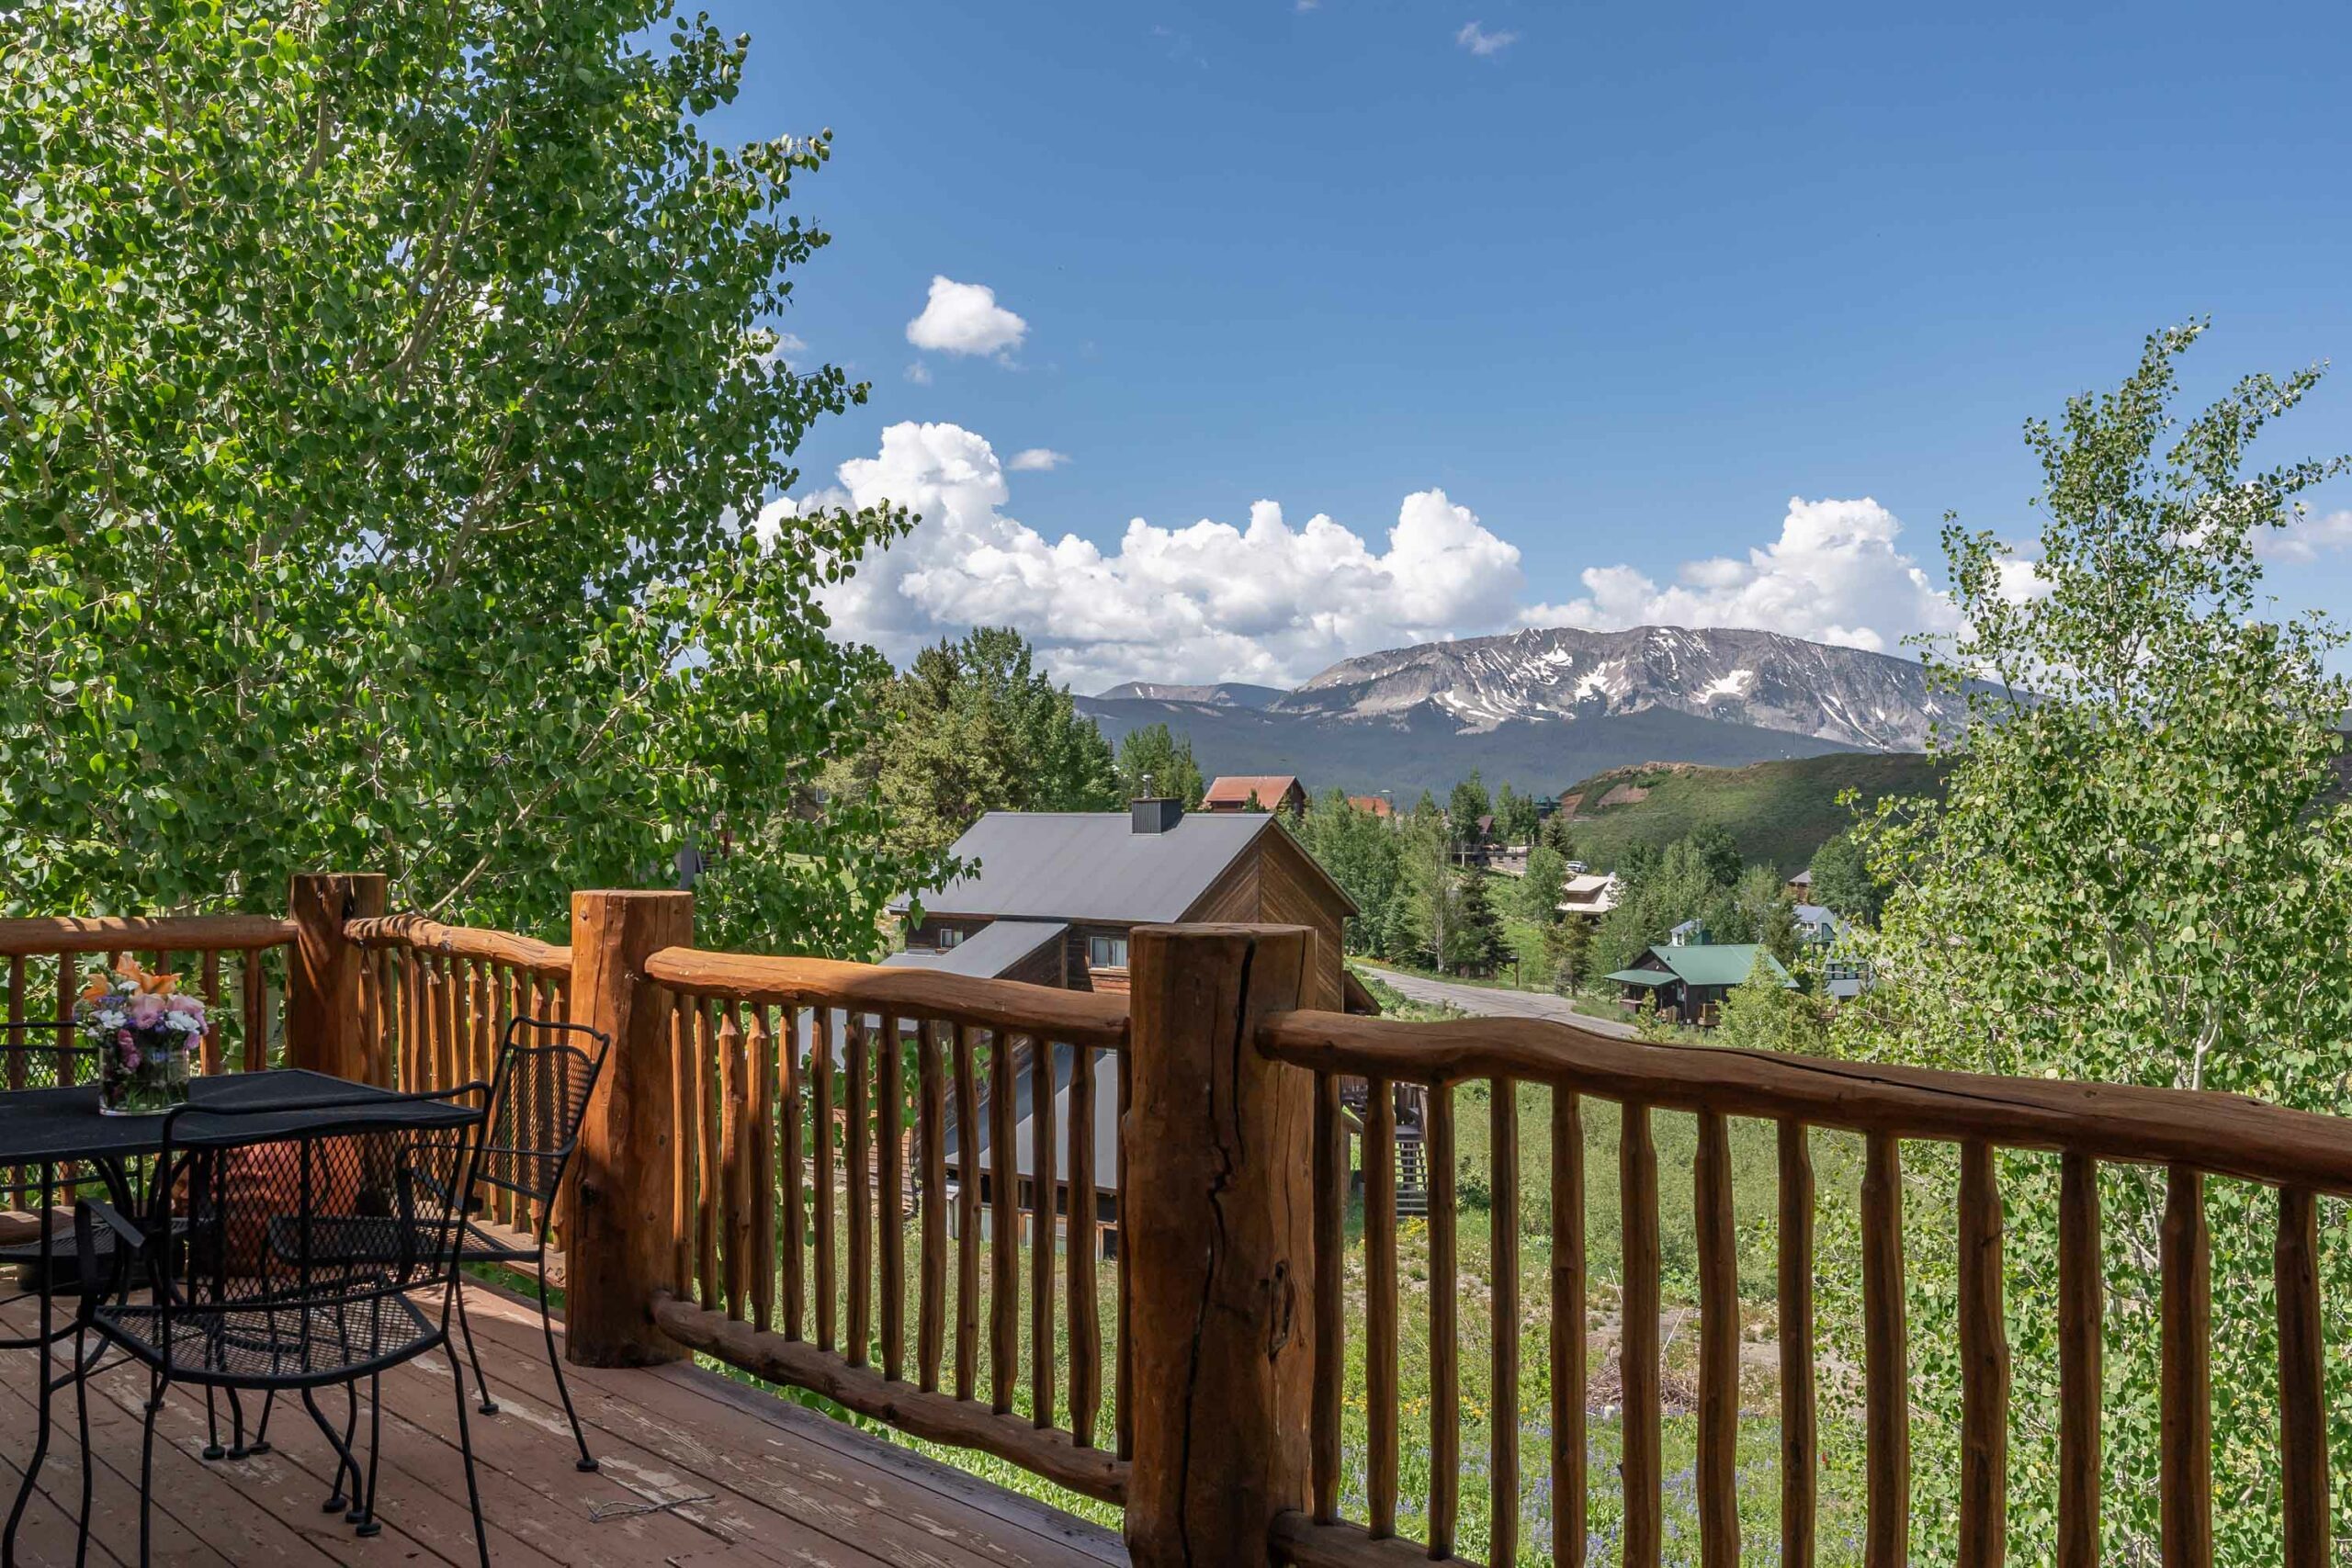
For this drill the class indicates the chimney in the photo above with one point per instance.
(1152, 813)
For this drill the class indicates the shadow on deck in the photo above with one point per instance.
(770, 1483)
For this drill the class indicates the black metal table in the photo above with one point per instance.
(51, 1127)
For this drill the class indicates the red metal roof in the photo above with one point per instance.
(1237, 788)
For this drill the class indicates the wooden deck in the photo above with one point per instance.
(771, 1483)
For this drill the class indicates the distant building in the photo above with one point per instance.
(1800, 885)
(1818, 925)
(1055, 898)
(1590, 895)
(1056, 893)
(1690, 979)
(1378, 806)
(1255, 792)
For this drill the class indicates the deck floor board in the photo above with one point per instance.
(777, 1485)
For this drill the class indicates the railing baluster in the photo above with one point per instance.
(2186, 1483)
(66, 991)
(502, 1206)
(760, 1048)
(1330, 1186)
(820, 1143)
(734, 1158)
(481, 1035)
(1445, 1331)
(1886, 1377)
(1984, 1364)
(1638, 1338)
(541, 1108)
(931, 1313)
(212, 1048)
(890, 1191)
(1718, 1346)
(1569, 1372)
(684, 1102)
(968, 1217)
(1123, 1414)
(1379, 1303)
(1042, 1187)
(1799, 1434)
(451, 1066)
(858, 1169)
(707, 1183)
(792, 1075)
(1083, 1253)
(17, 1015)
(1502, 1421)
(413, 1010)
(2081, 1358)
(2302, 1382)
(1004, 1224)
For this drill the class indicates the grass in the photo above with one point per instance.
(1777, 812)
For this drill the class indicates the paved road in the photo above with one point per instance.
(1493, 1002)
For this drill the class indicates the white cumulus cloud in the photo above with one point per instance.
(1836, 574)
(963, 318)
(1272, 601)
(2306, 537)
(1482, 44)
(1037, 460)
(1212, 601)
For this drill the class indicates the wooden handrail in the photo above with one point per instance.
(1045, 1012)
(46, 935)
(2226, 1135)
(460, 941)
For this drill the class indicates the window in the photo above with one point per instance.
(948, 937)
(1106, 952)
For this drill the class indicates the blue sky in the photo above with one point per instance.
(1620, 281)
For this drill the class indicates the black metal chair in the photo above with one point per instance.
(247, 1277)
(31, 1058)
(537, 1107)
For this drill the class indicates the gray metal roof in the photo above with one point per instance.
(1093, 865)
(987, 952)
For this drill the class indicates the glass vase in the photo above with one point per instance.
(144, 1072)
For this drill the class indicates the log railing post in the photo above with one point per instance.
(1220, 1161)
(323, 1029)
(619, 1245)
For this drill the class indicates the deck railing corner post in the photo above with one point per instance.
(323, 1029)
(619, 1251)
(1219, 1143)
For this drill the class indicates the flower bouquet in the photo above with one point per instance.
(146, 1032)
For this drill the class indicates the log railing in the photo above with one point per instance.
(434, 1002)
(1107, 1238)
(237, 963)
(2189, 1135)
(878, 1174)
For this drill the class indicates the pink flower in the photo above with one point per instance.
(146, 1011)
(183, 1003)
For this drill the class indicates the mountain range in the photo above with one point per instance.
(1542, 708)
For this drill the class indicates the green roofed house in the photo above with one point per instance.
(1689, 978)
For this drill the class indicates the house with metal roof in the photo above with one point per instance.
(1690, 979)
(1054, 894)
(1052, 898)
(1255, 792)
(1817, 924)
(1590, 895)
